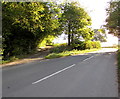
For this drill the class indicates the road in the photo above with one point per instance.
(88, 75)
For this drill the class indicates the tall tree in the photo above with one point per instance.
(25, 24)
(74, 19)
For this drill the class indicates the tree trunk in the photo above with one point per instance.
(72, 36)
(69, 39)
(69, 36)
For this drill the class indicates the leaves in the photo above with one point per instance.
(75, 21)
(26, 24)
(113, 20)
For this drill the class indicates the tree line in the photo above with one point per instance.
(27, 24)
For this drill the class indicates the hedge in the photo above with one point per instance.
(82, 45)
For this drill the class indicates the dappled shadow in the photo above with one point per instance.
(41, 54)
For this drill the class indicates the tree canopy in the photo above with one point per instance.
(27, 24)
(75, 21)
(113, 20)
(100, 35)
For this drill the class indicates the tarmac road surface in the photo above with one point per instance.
(87, 75)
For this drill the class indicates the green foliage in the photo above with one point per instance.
(60, 48)
(74, 22)
(86, 33)
(113, 20)
(56, 55)
(26, 24)
(29, 25)
(92, 44)
(78, 45)
(89, 45)
(82, 45)
(100, 35)
(69, 53)
(47, 41)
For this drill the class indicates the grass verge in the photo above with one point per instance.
(18, 57)
(69, 53)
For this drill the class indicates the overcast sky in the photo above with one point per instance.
(96, 9)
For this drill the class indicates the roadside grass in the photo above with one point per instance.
(115, 46)
(14, 58)
(69, 53)
(33, 55)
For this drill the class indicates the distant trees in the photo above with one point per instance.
(113, 20)
(100, 35)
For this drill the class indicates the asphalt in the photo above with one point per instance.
(89, 75)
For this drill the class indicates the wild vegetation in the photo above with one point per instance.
(80, 47)
(26, 24)
(113, 20)
(29, 25)
(69, 53)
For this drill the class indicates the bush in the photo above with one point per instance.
(82, 45)
(79, 45)
(60, 48)
(89, 45)
(96, 44)
(69, 53)
(92, 44)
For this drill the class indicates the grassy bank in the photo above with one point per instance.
(18, 57)
(69, 53)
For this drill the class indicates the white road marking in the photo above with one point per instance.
(53, 74)
(88, 58)
(59, 71)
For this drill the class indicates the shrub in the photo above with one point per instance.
(79, 45)
(82, 45)
(89, 45)
(96, 44)
(92, 44)
(60, 48)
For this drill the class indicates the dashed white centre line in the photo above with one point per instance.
(53, 74)
(59, 71)
(88, 58)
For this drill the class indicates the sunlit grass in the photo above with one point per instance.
(69, 53)
(111, 47)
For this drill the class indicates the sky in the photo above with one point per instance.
(97, 11)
